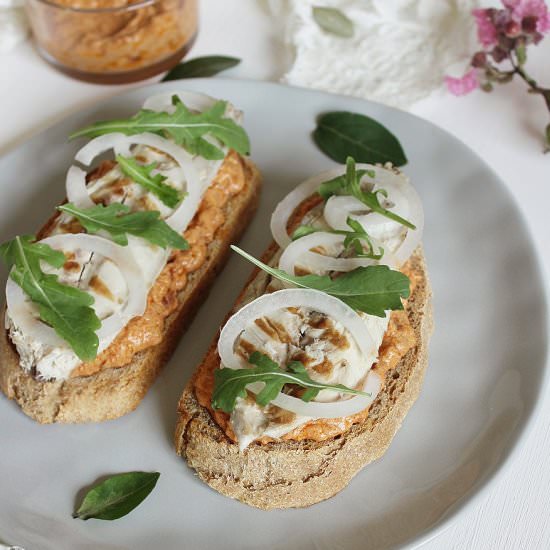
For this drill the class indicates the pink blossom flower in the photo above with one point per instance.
(486, 32)
(463, 85)
(530, 8)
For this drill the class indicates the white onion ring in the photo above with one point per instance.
(318, 301)
(336, 217)
(285, 209)
(77, 192)
(76, 178)
(407, 205)
(21, 310)
(299, 252)
(192, 100)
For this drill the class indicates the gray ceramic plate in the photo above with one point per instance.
(486, 365)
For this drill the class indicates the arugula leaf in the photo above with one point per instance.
(65, 308)
(352, 240)
(119, 222)
(229, 384)
(141, 174)
(355, 239)
(372, 289)
(117, 495)
(185, 127)
(335, 186)
(303, 231)
(334, 21)
(350, 184)
(208, 65)
(10, 250)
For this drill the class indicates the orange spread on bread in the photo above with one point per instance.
(148, 330)
(398, 339)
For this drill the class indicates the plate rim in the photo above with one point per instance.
(533, 409)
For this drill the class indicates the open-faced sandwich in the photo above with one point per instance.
(325, 350)
(97, 299)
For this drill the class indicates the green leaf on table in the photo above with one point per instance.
(119, 222)
(117, 496)
(209, 65)
(332, 20)
(340, 134)
(65, 308)
(185, 127)
(142, 175)
(230, 384)
(372, 289)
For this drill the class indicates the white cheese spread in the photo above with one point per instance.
(328, 352)
(92, 273)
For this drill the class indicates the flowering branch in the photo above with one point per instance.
(505, 35)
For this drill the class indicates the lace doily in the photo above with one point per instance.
(398, 54)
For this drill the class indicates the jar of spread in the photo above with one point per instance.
(113, 41)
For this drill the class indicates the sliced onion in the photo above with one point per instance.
(192, 100)
(299, 253)
(23, 312)
(285, 209)
(77, 193)
(76, 178)
(317, 301)
(206, 169)
(406, 204)
(416, 217)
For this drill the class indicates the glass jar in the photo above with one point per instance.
(113, 41)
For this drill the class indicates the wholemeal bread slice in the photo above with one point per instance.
(113, 392)
(287, 473)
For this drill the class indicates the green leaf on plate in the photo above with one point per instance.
(333, 21)
(340, 134)
(202, 66)
(117, 496)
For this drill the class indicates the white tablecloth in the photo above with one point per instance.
(503, 127)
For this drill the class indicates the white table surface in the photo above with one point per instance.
(503, 127)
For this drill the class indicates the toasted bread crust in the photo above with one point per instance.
(287, 474)
(113, 392)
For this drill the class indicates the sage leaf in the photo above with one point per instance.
(117, 496)
(340, 134)
(202, 66)
(333, 21)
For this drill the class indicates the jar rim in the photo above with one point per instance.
(118, 9)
